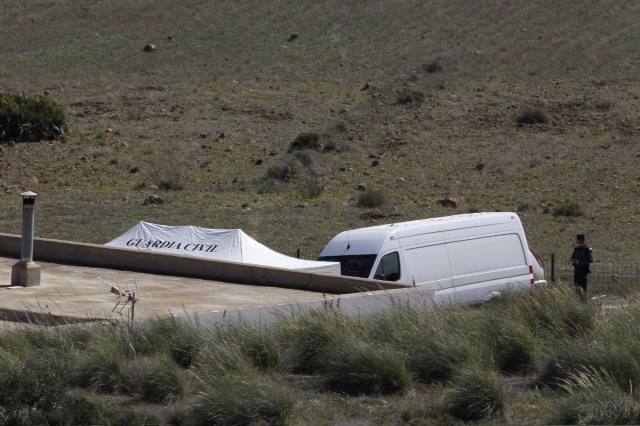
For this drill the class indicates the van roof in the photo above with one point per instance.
(369, 240)
(435, 224)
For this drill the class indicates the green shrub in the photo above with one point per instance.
(576, 356)
(101, 366)
(512, 345)
(371, 198)
(243, 398)
(552, 311)
(356, 367)
(433, 347)
(309, 335)
(304, 141)
(157, 379)
(257, 344)
(35, 380)
(28, 118)
(409, 96)
(593, 398)
(568, 209)
(531, 116)
(476, 395)
(181, 339)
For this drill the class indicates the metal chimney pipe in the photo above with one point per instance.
(26, 272)
(28, 219)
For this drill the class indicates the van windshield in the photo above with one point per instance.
(353, 266)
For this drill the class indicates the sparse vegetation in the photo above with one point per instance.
(371, 198)
(30, 118)
(531, 116)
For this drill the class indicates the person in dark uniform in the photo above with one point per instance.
(581, 259)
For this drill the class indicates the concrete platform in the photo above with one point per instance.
(75, 291)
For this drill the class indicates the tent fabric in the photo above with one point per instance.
(231, 245)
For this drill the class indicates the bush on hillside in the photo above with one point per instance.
(433, 67)
(280, 172)
(410, 96)
(30, 118)
(307, 140)
(356, 367)
(568, 209)
(476, 395)
(371, 198)
(531, 116)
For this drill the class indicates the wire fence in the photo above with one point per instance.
(607, 275)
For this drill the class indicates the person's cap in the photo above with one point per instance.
(580, 237)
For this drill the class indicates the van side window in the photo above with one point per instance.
(388, 268)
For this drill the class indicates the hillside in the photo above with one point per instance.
(229, 87)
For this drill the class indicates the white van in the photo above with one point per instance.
(467, 258)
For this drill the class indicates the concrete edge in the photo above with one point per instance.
(99, 256)
(352, 305)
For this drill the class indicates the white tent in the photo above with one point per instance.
(215, 244)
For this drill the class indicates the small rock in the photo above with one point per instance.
(203, 135)
(342, 169)
(449, 202)
(221, 135)
(46, 93)
(258, 162)
(109, 130)
(479, 167)
(401, 179)
(375, 163)
(134, 169)
(292, 37)
(361, 187)
(273, 154)
(153, 186)
(11, 143)
(245, 205)
(170, 38)
(235, 180)
(149, 48)
(152, 200)
(365, 87)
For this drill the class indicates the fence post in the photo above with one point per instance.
(553, 267)
(298, 253)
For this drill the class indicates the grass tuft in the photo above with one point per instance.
(356, 367)
(476, 395)
(243, 398)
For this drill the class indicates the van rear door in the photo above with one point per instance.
(486, 265)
